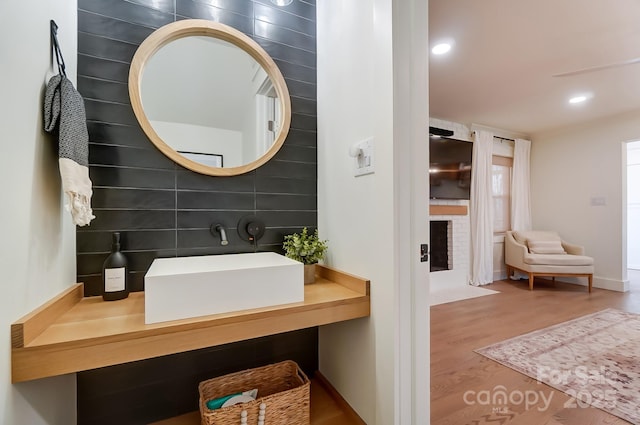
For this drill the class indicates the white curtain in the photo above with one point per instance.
(481, 209)
(520, 187)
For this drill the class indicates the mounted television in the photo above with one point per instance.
(449, 168)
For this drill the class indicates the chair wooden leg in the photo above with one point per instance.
(590, 282)
(509, 271)
(531, 281)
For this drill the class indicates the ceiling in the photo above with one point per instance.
(500, 71)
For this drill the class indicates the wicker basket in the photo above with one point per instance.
(282, 387)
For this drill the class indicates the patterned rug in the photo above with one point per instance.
(595, 359)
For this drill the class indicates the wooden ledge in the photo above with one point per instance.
(448, 210)
(33, 324)
(70, 333)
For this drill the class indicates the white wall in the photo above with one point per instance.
(574, 166)
(37, 253)
(198, 138)
(184, 82)
(367, 218)
(350, 96)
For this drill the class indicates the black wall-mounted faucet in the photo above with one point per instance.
(218, 229)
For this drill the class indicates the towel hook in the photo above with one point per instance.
(56, 48)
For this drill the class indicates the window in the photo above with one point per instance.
(501, 186)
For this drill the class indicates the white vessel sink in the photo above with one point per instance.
(185, 287)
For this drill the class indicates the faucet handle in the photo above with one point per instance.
(250, 228)
(255, 229)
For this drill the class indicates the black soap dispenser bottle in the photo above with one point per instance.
(115, 284)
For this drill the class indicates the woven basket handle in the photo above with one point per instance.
(302, 375)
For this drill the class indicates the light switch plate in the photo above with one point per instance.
(364, 163)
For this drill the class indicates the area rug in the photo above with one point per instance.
(595, 359)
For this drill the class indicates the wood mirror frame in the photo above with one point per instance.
(202, 27)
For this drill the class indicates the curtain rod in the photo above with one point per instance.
(503, 138)
(496, 137)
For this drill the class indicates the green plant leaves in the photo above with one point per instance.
(303, 247)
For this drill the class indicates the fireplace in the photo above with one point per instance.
(440, 242)
(450, 242)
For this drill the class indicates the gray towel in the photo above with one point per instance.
(64, 115)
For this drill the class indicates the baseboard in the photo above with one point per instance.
(611, 284)
(337, 397)
(599, 282)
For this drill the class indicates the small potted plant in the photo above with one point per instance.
(306, 248)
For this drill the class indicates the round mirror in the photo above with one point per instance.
(209, 97)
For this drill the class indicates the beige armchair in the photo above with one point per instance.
(541, 253)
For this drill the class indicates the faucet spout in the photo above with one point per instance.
(223, 234)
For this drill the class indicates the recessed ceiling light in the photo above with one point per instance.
(441, 49)
(282, 2)
(578, 99)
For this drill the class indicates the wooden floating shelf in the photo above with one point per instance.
(448, 210)
(72, 333)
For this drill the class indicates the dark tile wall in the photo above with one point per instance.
(163, 210)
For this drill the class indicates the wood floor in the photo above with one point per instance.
(460, 327)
